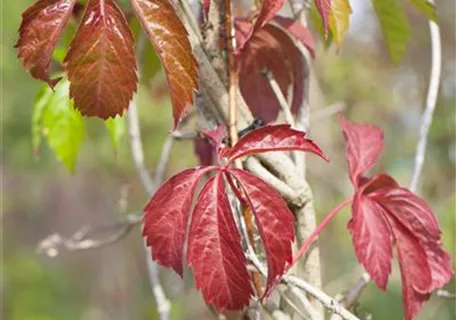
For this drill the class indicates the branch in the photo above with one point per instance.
(431, 101)
(289, 280)
(82, 240)
(163, 305)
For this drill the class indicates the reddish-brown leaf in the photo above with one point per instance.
(274, 220)
(41, 27)
(170, 40)
(166, 215)
(214, 250)
(371, 239)
(271, 138)
(101, 64)
(298, 31)
(272, 49)
(324, 7)
(363, 144)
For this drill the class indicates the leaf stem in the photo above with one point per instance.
(305, 245)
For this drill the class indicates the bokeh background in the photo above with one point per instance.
(40, 197)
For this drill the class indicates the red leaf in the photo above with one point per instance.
(215, 252)
(101, 64)
(204, 150)
(275, 223)
(269, 9)
(215, 136)
(363, 144)
(415, 274)
(298, 31)
(42, 24)
(271, 138)
(166, 215)
(324, 7)
(170, 40)
(371, 238)
(270, 48)
(380, 209)
(416, 215)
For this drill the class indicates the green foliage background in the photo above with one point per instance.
(40, 196)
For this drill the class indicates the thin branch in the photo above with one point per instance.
(330, 303)
(280, 97)
(163, 305)
(164, 158)
(85, 238)
(445, 294)
(431, 101)
(328, 111)
(290, 280)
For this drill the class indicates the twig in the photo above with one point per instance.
(163, 305)
(280, 97)
(431, 101)
(81, 239)
(164, 158)
(308, 241)
(445, 294)
(330, 303)
(328, 111)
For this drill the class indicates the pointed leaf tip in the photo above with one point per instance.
(170, 40)
(166, 215)
(41, 27)
(272, 138)
(274, 220)
(363, 144)
(101, 64)
(214, 250)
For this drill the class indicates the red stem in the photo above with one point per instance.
(318, 230)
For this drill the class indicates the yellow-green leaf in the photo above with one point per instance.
(425, 7)
(116, 128)
(339, 19)
(55, 118)
(394, 26)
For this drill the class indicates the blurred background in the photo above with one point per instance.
(40, 197)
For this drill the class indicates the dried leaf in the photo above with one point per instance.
(214, 250)
(42, 24)
(170, 40)
(100, 64)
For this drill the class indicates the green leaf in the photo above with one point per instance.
(116, 128)
(55, 118)
(394, 26)
(425, 7)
